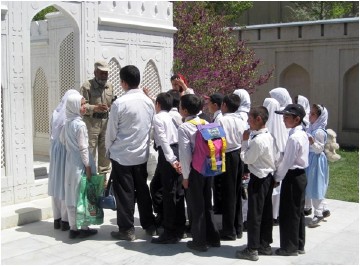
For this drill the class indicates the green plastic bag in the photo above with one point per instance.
(87, 210)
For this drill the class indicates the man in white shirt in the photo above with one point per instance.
(127, 145)
(291, 172)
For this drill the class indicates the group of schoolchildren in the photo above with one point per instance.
(284, 156)
(283, 160)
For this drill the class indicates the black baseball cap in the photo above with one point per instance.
(216, 98)
(293, 109)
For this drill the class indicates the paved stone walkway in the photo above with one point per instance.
(335, 241)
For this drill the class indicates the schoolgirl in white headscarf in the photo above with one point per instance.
(78, 160)
(57, 164)
(243, 111)
(318, 170)
(282, 96)
(302, 100)
(277, 128)
(245, 103)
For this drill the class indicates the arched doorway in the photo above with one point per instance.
(351, 100)
(54, 62)
(296, 80)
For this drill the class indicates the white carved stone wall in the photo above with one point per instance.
(63, 49)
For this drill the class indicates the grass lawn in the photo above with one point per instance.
(344, 177)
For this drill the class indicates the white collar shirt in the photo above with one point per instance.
(234, 128)
(174, 113)
(128, 130)
(260, 153)
(165, 134)
(187, 135)
(296, 154)
(217, 116)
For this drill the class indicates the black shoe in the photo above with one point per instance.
(124, 235)
(326, 213)
(65, 226)
(227, 237)
(74, 234)
(87, 232)
(301, 251)
(57, 223)
(239, 235)
(151, 231)
(308, 212)
(214, 244)
(196, 247)
(265, 251)
(282, 252)
(276, 222)
(247, 254)
(165, 238)
(182, 235)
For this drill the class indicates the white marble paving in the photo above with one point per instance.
(335, 241)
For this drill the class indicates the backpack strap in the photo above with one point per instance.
(192, 121)
(223, 150)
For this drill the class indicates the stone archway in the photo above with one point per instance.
(54, 49)
(351, 100)
(296, 80)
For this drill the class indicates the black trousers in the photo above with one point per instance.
(291, 212)
(203, 226)
(217, 194)
(259, 217)
(232, 221)
(156, 191)
(174, 218)
(129, 184)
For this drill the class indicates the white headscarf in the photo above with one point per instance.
(275, 123)
(304, 102)
(321, 122)
(73, 105)
(282, 96)
(59, 115)
(244, 100)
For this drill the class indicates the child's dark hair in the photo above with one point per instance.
(165, 100)
(318, 108)
(259, 111)
(131, 75)
(191, 103)
(232, 102)
(176, 98)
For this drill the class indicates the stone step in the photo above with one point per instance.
(27, 212)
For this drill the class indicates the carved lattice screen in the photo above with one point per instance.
(151, 79)
(67, 65)
(41, 100)
(114, 77)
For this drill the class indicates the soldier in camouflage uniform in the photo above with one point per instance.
(98, 94)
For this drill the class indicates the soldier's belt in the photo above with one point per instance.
(101, 115)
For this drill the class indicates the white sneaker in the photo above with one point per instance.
(315, 221)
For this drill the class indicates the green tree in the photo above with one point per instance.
(41, 15)
(231, 10)
(208, 55)
(320, 10)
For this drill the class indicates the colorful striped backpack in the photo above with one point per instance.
(209, 151)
